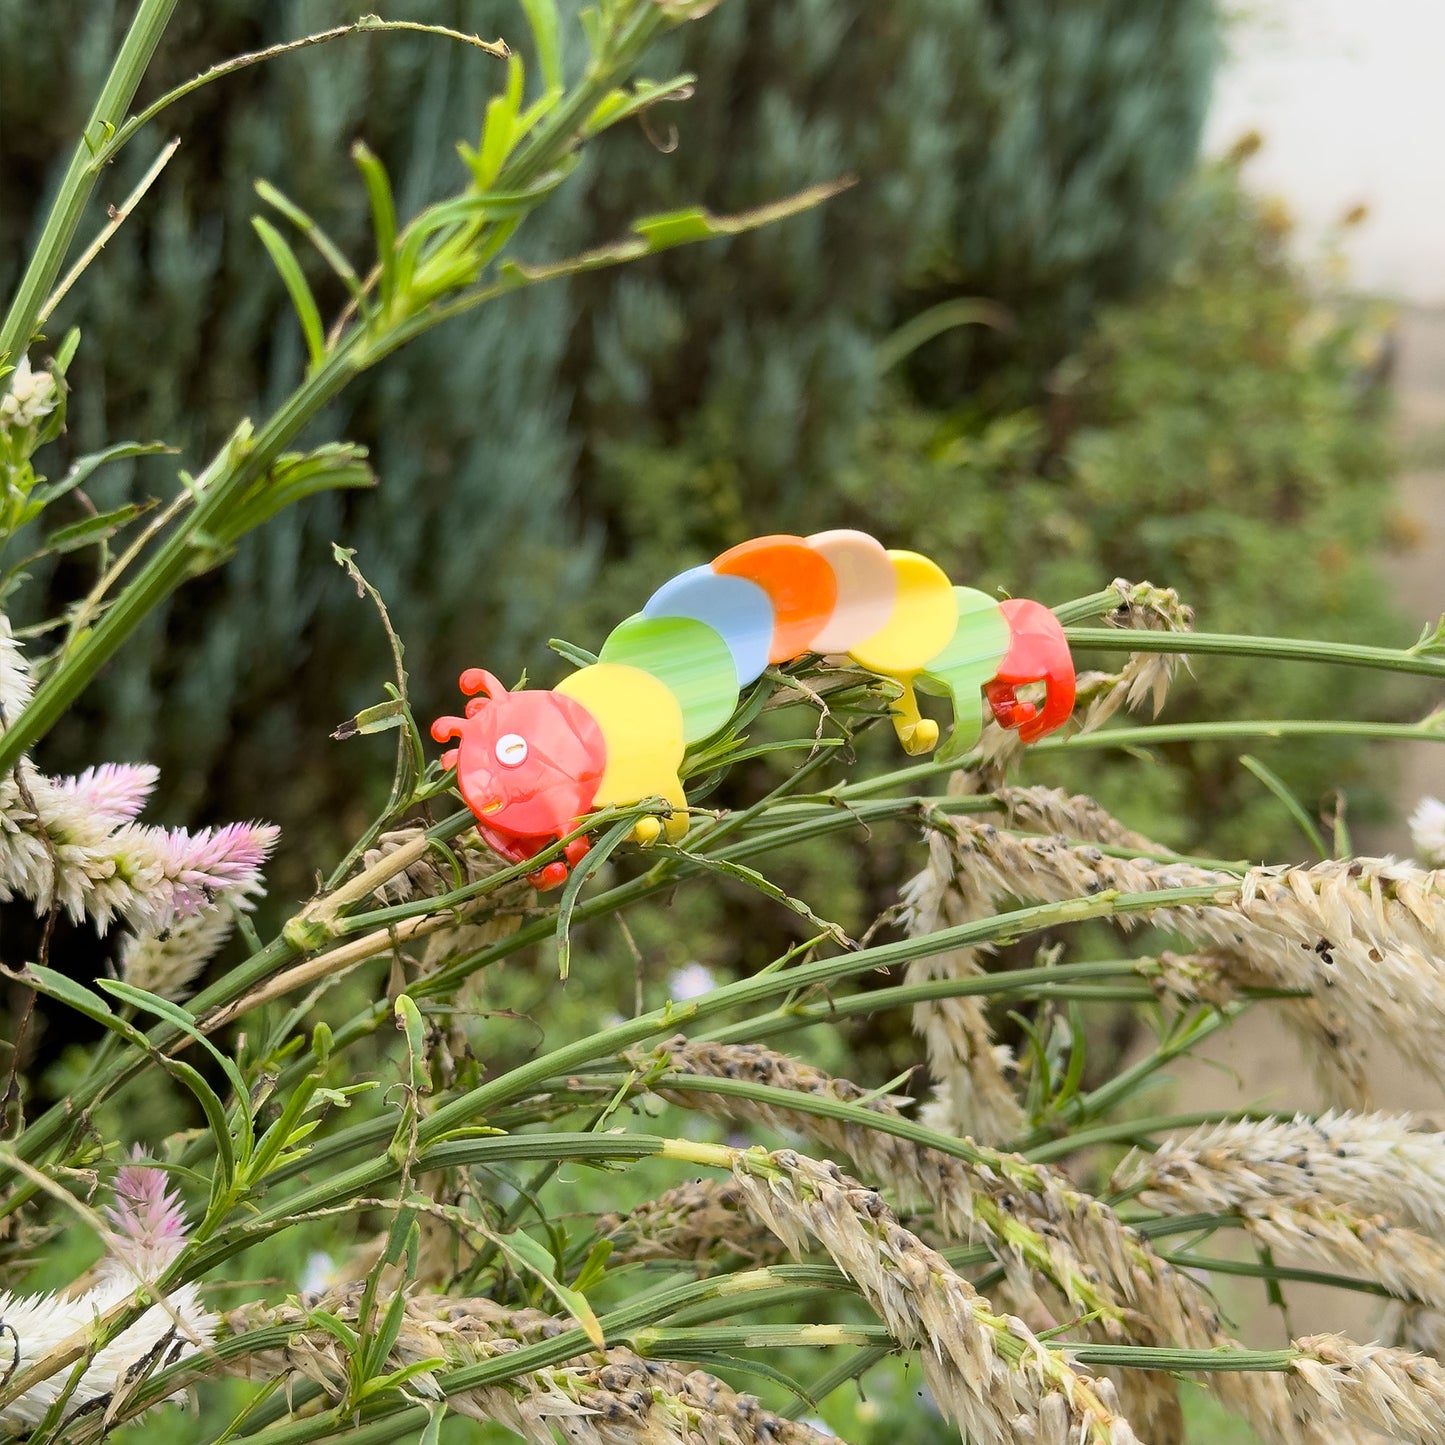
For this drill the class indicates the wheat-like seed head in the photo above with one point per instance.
(1040, 1225)
(988, 1372)
(1067, 815)
(1145, 676)
(612, 1397)
(1371, 1163)
(701, 1222)
(970, 1072)
(1395, 1391)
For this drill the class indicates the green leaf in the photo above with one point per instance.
(435, 1412)
(542, 17)
(594, 859)
(186, 1021)
(618, 105)
(946, 316)
(381, 718)
(682, 228)
(86, 466)
(65, 352)
(594, 1267)
(537, 1260)
(577, 656)
(383, 217)
(329, 251)
(216, 1120)
(92, 529)
(1292, 805)
(336, 1327)
(294, 279)
(409, 1019)
(293, 477)
(74, 995)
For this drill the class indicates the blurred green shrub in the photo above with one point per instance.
(1223, 434)
(1001, 150)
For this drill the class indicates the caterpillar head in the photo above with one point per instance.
(528, 763)
(1038, 652)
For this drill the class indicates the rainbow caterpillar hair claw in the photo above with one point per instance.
(531, 765)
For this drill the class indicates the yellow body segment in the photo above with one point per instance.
(925, 614)
(641, 725)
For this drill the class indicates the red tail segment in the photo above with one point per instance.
(1037, 653)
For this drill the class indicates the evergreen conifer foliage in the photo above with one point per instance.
(999, 150)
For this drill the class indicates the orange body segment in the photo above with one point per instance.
(799, 582)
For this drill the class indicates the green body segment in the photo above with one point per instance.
(689, 658)
(970, 659)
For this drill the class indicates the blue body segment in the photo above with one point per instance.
(739, 611)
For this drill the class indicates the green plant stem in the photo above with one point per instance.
(50, 250)
(1287, 649)
(1253, 1269)
(175, 560)
(479, 1103)
(369, 26)
(1155, 734)
(794, 1016)
(666, 1342)
(1131, 1130)
(1128, 1082)
(1081, 609)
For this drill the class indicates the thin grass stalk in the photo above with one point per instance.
(51, 247)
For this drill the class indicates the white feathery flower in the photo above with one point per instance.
(168, 963)
(1427, 832)
(113, 793)
(70, 843)
(29, 395)
(1338, 1381)
(15, 684)
(149, 1233)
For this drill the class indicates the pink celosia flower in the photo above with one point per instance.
(113, 792)
(149, 1223)
(175, 873)
(70, 843)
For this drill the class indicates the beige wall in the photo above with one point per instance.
(1350, 97)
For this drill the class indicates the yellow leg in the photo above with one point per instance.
(917, 733)
(677, 823)
(674, 826)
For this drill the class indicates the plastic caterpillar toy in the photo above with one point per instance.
(532, 764)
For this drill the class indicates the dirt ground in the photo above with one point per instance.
(1257, 1063)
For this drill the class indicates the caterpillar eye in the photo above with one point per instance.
(512, 750)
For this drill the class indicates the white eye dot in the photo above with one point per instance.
(512, 750)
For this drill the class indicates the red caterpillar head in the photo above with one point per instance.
(528, 764)
(1038, 652)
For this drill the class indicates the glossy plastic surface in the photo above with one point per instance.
(737, 610)
(867, 585)
(528, 764)
(1038, 652)
(799, 584)
(968, 661)
(532, 764)
(641, 726)
(689, 658)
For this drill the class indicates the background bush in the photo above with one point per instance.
(654, 417)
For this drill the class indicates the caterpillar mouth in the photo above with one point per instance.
(492, 807)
